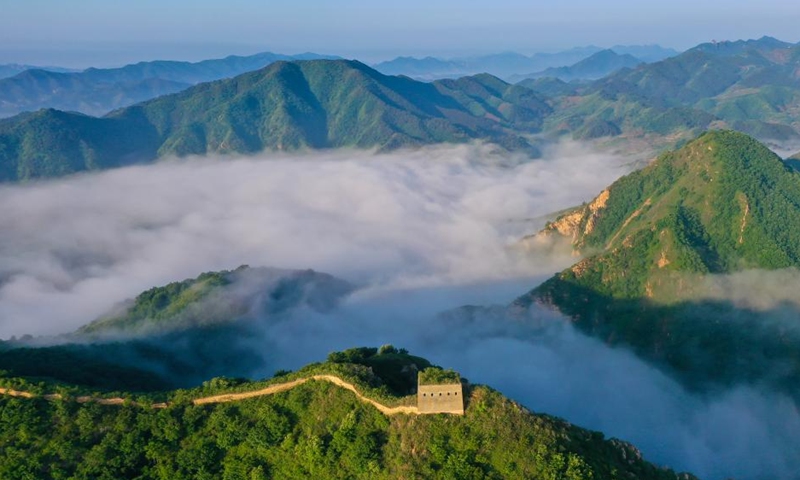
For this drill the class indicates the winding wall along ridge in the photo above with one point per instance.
(232, 397)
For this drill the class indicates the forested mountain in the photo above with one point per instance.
(655, 241)
(750, 86)
(97, 91)
(220, 298)
(312, 430)
(285, 106)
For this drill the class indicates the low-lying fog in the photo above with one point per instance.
(420, 232)
(70, 249)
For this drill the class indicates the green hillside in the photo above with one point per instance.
(328, 104)
(723, 203)
(549, 86)
(749, 86)
(314, 430)
(285, 106)
(50, 143)
(794, 161)
(219, 298)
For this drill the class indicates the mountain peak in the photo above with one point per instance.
(724, 205)
(721, 203)
(285, 106)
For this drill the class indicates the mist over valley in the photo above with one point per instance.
(555, 242)
(416, 235)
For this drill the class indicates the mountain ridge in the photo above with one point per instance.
(11, 69)
(97, 91)
(508, 65)
(596, 66)
(284, 106)
(748, 86)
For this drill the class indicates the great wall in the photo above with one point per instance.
(431, 399)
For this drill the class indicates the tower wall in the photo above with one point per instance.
(446, 398)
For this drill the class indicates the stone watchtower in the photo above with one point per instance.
(439, 391)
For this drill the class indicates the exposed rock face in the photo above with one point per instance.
(568, 225)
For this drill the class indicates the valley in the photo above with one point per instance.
(206, 260)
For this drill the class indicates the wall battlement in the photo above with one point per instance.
(443, 398)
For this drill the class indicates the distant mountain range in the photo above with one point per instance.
(285, 106)
(653, 242)
(11, 69)
(509, 65)
(751, 86)
(596, 66)
(97, 91)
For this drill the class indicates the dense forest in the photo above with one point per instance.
(316, 430)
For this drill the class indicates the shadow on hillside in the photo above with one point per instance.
(705, 344)
(155, 363)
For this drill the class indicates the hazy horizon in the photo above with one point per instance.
(111, 34)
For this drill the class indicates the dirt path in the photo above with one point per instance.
(282, 387)
(16, 393)
(233, 397)
(82, 399)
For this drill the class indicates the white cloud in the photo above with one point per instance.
(70, 249)
(423, 231)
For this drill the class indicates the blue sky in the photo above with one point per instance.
(83, 32)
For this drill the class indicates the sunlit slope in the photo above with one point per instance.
(314, 430)
(286, 106)
(656, 240)
(221, 297)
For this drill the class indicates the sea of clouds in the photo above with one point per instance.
(419, 232)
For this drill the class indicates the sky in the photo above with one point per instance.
(81, 33)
